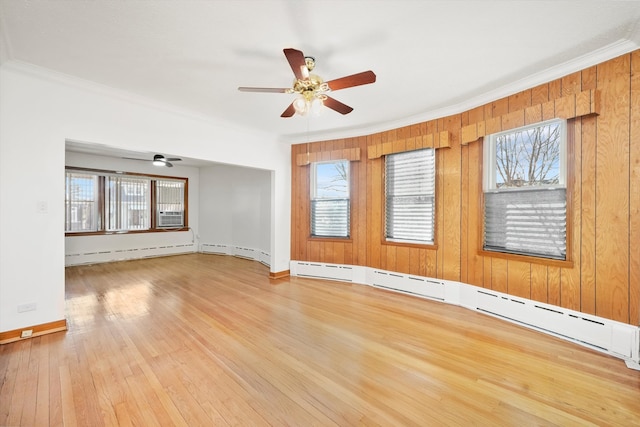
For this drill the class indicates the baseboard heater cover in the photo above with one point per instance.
(409, 284)
(96, 257)
(618, 339)
(237, 251)
(343, 273)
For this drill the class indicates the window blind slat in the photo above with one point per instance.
(410, 195)
(529, 222)
(330, 217)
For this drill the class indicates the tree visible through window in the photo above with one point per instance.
(525, 191)
(330, 210)
(530, 157)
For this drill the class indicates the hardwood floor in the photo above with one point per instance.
(207, 340)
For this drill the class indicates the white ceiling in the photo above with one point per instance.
(431, 58)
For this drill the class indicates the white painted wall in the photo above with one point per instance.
(235, 206)
(75, 246)
(39, 110)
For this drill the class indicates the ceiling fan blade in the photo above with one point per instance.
(133, 158)
(297, 62)
(173, 159)
(167, 164)
(263, 89)
(289, 112)
(363, 78)
(337, 106)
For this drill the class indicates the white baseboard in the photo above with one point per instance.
(614, 338)
(237, 251)
(96, 257)
(632, 365)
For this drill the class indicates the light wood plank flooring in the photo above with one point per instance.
(206, 340)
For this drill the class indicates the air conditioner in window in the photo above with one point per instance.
(170, 219)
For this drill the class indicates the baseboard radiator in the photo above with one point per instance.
(615, 338)
(237, 251)
(96, 257)
(344, 273)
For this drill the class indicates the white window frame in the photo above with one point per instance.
(489, 153)
(543, 198)
(315, 198)
(427, 189)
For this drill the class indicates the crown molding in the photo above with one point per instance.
(49, 75)
(621, 47)
(596, 57)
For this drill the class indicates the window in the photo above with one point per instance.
(170, 203)
(128, 202)
(525, 192)
(100, 201)
(81, 207)
(330, 199)
(410, 196)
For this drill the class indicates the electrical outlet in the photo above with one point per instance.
(27, 307)
(26, 333)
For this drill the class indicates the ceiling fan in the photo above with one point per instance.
(159, 160)
(312, 90)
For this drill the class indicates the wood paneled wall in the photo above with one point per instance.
(603, 277)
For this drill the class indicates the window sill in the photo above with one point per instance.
(109, 233)
(329, 239)
(430, 246)
(525, 258)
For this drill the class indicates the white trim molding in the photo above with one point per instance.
(617, 339)
(131, 253)
(237, 251)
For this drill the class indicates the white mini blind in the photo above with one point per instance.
(330, 217)
(410, 196)
(530, 222)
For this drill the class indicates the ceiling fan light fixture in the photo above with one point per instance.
(301, 105)
(159, 160)
(316, 105)
(311, 88)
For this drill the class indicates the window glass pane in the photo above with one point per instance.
(525, 209)
(128, 201)
(332, 180)
(528, 157)
(81, 210)
(330, 199)
(410, 196)
(170, 203)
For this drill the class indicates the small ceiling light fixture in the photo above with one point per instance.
(158, 160)
(309, 102)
